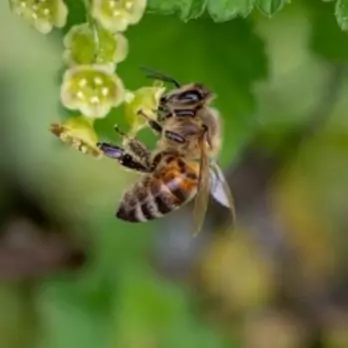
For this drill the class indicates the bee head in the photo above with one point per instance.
(186, 95)
(192, 96)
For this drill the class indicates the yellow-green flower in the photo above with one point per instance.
(42, 14)
(78, 132)
(85, 45)
(91, 89)
(145, 99)
(116, 15)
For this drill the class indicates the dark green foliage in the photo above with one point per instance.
(327, 39)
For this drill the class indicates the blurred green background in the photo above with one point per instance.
(73, 276)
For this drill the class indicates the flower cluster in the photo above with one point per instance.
(92, 51)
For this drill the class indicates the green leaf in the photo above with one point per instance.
(341, 12)
(270, 7)
(327, 39)
(219, 10)
(187, 9)
(224, 10)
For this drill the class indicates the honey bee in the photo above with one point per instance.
(182, 167)
(191, 100)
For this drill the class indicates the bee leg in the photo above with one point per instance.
(154, 125)
(136, 147)
(123, 157)
(119, 132)
(174, 137)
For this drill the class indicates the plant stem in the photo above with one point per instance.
(93, 25)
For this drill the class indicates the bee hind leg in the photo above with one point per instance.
(123, 157)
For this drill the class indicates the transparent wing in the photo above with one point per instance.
(220, 190)
(203, 192)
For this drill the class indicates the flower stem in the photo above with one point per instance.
(93, 25)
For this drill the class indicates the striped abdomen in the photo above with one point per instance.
(170, 186)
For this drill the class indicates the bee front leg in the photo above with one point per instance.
(154, 125)
(123, 157)
(136, 147)
(174, 137)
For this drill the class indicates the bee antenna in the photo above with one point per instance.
(153, 74)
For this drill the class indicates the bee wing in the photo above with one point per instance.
(203, 191)
(220, 189)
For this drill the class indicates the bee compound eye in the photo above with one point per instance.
(191, 96)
